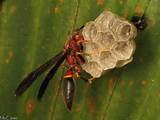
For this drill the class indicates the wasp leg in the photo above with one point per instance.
(87, 80)
(83, 41)
(84, 79)
(82, 53)
(81, 27)
(91, 79)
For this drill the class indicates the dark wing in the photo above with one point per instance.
(50, 76)
(68, 92)
(33, 75)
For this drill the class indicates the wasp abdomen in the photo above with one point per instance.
(68, 92)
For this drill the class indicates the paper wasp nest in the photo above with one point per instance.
(109, 43)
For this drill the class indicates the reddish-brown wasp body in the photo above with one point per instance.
(73, 60)
(72, 55)
(75, 47)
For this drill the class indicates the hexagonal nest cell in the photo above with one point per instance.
(109, 43)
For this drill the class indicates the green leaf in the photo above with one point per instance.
(33, 31)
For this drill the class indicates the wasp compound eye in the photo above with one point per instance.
(114, 41)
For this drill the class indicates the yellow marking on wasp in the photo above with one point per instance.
(91, 79)
(67, 76)
(77, 75)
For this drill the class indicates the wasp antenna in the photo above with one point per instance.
(76, 16)
(50, 76)
(81, 27)
(68, 92)
(27, 82)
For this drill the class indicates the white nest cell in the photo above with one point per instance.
(109, 43)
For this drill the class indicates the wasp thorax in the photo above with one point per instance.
(109, 43)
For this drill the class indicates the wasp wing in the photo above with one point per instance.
(33, 75)
(50, 76)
